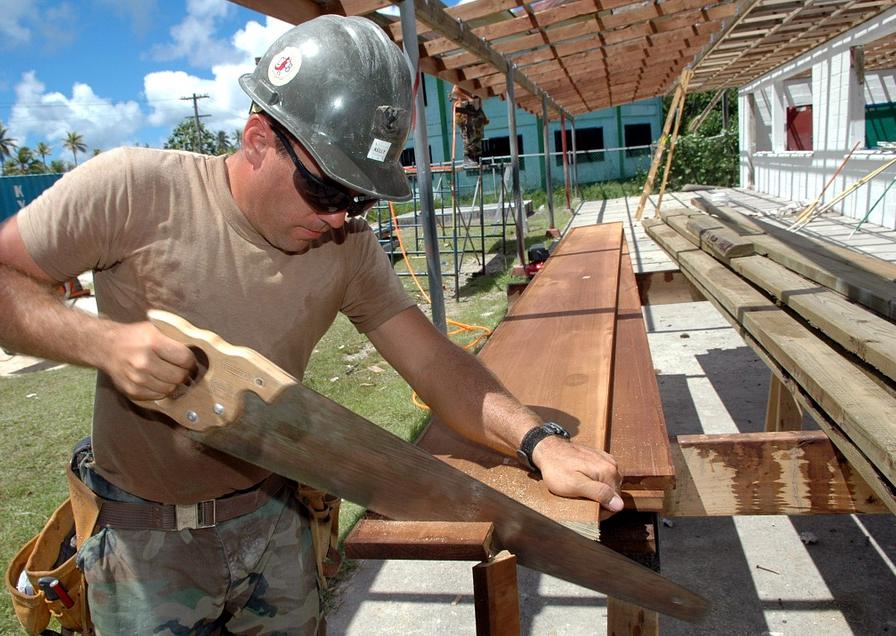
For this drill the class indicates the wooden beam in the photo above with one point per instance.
(496, 598)
(782, 413)
(858, 277)
(852, 408)
(435, 540)
(780, 473)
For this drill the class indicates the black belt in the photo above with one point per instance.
(205, 514)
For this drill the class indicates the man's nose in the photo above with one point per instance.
(335, 220)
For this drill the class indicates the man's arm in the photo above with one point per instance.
(472, 401)
(143, 363)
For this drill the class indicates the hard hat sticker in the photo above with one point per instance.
(378, 149)
(284, 66)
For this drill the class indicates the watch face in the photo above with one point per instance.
(556, 429)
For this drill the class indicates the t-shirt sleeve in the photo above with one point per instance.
(74, 225)
(374, 292)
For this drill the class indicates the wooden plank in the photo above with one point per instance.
(718, 240)
(782, 413)
(858, 405)
(789, 473)
(437, 540)
(861, 278)
(855, 328)
(553, 351)
(496, 597)
(638, 437)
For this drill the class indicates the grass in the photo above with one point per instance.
(44, 414)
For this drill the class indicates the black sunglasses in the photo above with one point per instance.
(324, 194)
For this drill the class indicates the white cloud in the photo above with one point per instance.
(13, 18)
(47, 116)
(227, 105)
(193, 38)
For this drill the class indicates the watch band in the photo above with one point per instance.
(531, 440)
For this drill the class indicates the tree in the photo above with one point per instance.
(237, 136)
(97, 151)
(44, 151)
(184, 138)
(7, 145)
(57, 166)
(74, 142)
(25, 161)
(222, 143)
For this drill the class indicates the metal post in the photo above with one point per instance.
(549, 185)
(514, 168)
(424, 176)
(563, 145)
(575, 161)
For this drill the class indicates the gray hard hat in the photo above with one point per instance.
(343, 89)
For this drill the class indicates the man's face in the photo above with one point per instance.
(288, 220)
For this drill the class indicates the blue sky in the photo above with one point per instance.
(115, 70)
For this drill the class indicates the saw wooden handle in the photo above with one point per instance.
(214, 398)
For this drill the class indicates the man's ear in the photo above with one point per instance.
(257, 139)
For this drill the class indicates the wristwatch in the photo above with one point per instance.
(531, 440)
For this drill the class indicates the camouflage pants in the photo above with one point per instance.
(251, 575)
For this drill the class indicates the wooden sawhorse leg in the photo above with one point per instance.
(496, 597)
(633, 534)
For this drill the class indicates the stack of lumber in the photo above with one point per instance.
(821, 316)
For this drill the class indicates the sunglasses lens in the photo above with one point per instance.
(357, 208)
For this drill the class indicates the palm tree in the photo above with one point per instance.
(57, 166)
(237, 136)
(24, 160)
(44, 151)
(74, 142)
(7, 145)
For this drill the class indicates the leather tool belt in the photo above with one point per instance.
(205, 514)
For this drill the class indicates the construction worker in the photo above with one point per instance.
(263, 247)
(471, 119)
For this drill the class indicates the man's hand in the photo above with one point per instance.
(574, 470)
(145, 364)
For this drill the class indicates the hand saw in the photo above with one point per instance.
(243, 404)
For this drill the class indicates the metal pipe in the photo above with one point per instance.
(549, 185)
(514, 168)
(424, 176)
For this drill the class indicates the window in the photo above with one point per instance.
(500, 147)
(880, 124)
(799, 127)
(637, 135)
(590, 139)
(409, 157)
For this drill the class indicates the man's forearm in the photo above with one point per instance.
(36, 322)
(476, 404)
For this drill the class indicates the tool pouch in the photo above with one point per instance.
(39, 559)
(323, 511)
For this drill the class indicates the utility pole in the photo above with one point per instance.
(197, 147)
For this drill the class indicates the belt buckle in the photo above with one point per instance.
(195, 516)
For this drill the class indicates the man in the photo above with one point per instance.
(469, 116)
(258, 248)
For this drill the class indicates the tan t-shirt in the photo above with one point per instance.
(160, 229)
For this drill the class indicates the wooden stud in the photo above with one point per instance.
(496, 597)
(782, 412)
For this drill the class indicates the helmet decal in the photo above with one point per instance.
(378, 150)
(284, 66)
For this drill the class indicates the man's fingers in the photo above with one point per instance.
(600, 492)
